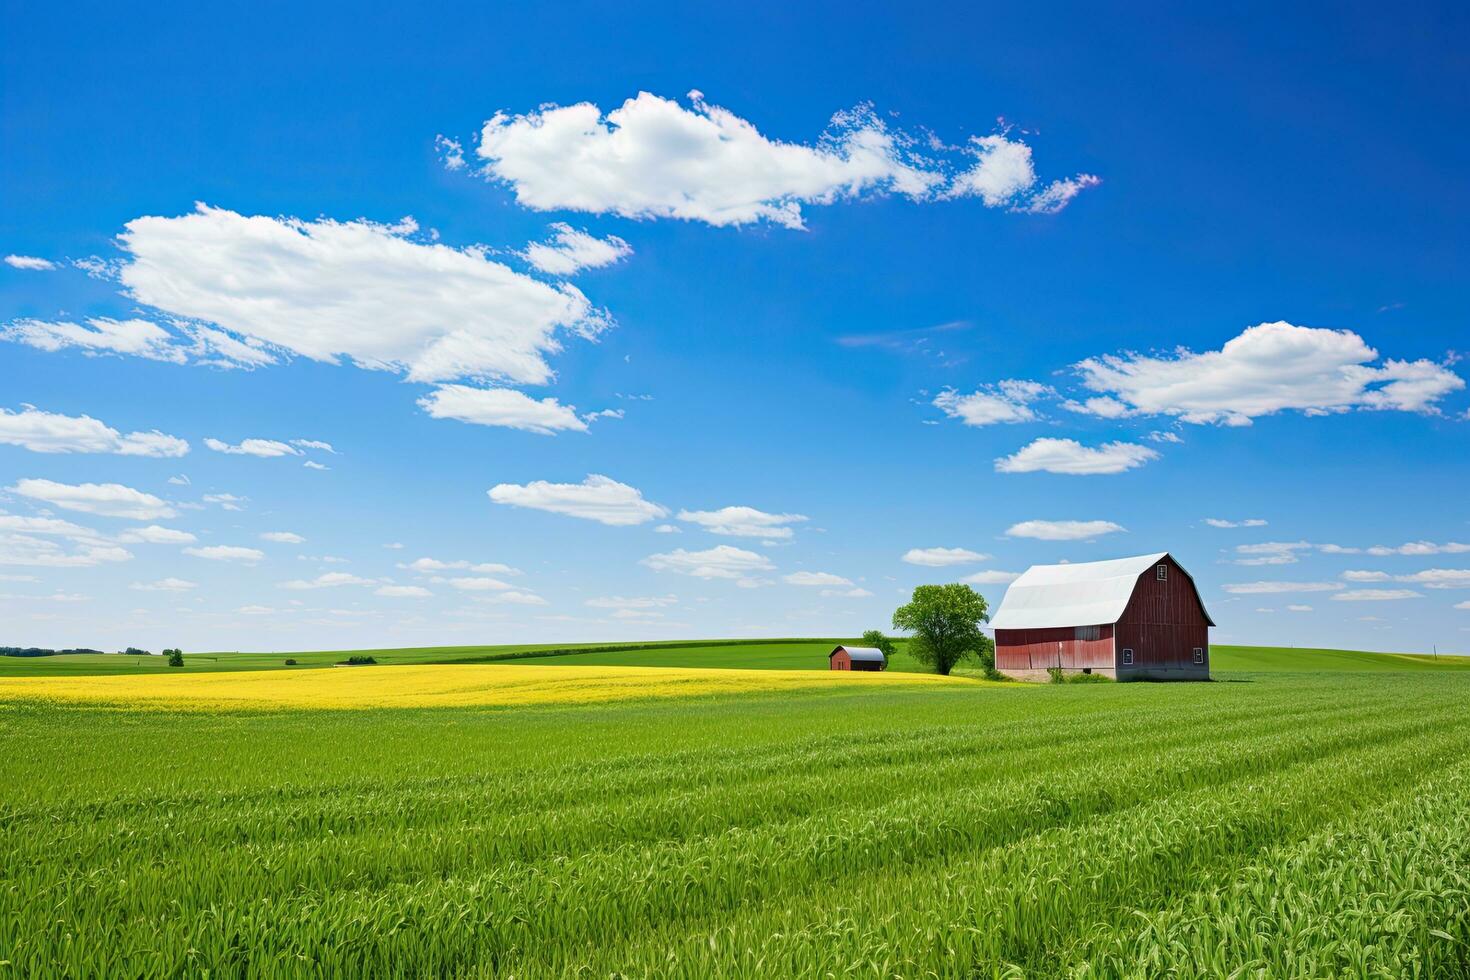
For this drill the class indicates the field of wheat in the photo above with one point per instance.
(1272, 825)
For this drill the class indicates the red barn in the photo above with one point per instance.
(856, 658)
(1129, 618)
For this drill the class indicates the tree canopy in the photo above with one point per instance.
(945, 622)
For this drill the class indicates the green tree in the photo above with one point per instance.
(175, 657)
(945, 621)
(875, 638)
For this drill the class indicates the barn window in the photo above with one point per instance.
(1199, 655)
(1127, 656)
(1087, 633)
(1162, 572)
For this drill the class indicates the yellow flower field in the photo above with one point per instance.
(433, 685)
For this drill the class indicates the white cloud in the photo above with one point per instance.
(265, 448)
(1269, 368)
(722, 561)
(478, 584)
(48, 525)
(165, 585)
(1062, 530)
(1463, 605)
(1006, 401)
(1270, 552)
(226, 501)
(105, 499)
(504, 407)
(514, 597)
(815, 578)
(1354, 575)
(743, 522)
(570, 250)
(30, 263)
(1295, 607)
(1163, 436)
(632, 602)
(283, 537)
(24, 549)
(426, 565)
(653, 158)
(668, 529)
(853, 593)
(327, 580)
(597, 498)
(312, 464)
(364, 291)
(256, 610)
(180, 480)
(939, 557)
(1439, 578)
(226, 552)
(140, 338)
(325, 447)
(403, 592)
(1059, 193)
(1069, 456)
(1248, 522)
(49, 432)
(1376, 595)
(1272, 588)
(994, 577)
(1420, 548)
(153, 534)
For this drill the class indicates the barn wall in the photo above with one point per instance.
(1163, 623)
(840, 661)
(1038, 649)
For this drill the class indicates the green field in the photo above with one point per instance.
(1292, 823)
(794, 654)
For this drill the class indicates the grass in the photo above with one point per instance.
(1303, 823)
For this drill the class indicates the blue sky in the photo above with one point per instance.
(906, 297)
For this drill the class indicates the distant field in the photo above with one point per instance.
(807, 654)
(1293, 824)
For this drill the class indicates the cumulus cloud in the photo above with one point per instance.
(105, 499)
(722, 562)
(425, 566)
(403, 592)
(994, 577)
(632, 602)
(1376, 595)
(1364, 575)
(1272, 588)
(165, 585)
(1420, 548)
(1248, 522)
(154, 534)
(367, 292)
(514, 597)
(743, 522)
(1438, 578)
(283, 537)
(1268, 368)
(30, 263)
(225, 501)
(327, 580)
(597, 498)
(939, 557)
(264, 448)
(474, 583)
(570, 250)
(1005, 401)
(853, 593)
(139, 338)
(1047, 455)
(503, 407)
(226, 552)
(1062, 530)
(1270, 552)
(653, 158)
(815, 578)
(27, 549)
(49, 432)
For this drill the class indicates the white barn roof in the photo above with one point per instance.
(872, 654)
(1081, 594)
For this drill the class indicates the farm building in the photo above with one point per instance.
(1129, 618)
(856, 658)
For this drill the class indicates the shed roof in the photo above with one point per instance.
(1079, 594)
(861, 653)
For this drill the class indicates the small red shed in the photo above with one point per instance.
(856, 658)
(1129, 618)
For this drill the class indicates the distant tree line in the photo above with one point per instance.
(39, 651)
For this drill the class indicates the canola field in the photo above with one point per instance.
(1271, 824)
(435, 685)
